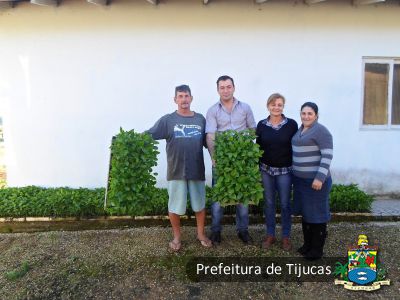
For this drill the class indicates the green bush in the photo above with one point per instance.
(158, 205)
(33, 201)
(238, 176)
(132, 182)
(349, 198)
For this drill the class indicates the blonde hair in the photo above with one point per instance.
(274, 97)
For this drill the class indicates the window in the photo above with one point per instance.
(381, 93)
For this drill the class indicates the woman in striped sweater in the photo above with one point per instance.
(312, 155)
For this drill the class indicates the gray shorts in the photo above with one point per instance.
(178, 191)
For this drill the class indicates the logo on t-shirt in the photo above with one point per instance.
(187, 131)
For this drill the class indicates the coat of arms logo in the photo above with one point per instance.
(362, 270)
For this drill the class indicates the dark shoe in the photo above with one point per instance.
(313, 254)
(303, 249)
(215, 237)
(268, 242)
(318, 241)
(286, 244)
(245, 237)
(307, 234)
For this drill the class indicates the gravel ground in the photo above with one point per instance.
(136, 263)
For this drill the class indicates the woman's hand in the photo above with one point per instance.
(316, 185)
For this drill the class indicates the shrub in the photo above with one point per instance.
(132, 182)
(80, 202)
(238, 176)
(33, 201)
(158, 205)
(349, 198)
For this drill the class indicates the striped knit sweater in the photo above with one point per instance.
(312, 152)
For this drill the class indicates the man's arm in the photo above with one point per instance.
(211, 128)
(210, 139)
(250, 121)
(159, 129)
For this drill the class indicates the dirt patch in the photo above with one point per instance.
(135, 263)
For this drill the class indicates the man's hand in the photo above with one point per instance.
(316, 185)
(213, 162)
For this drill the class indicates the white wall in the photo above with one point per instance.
(71, 76)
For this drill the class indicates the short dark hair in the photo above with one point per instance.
(311, 105)
(183, 88)
(225, 77)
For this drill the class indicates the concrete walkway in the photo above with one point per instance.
(383, 206)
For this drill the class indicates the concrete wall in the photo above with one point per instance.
(71, 76)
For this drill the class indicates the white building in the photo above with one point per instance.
(71, 75)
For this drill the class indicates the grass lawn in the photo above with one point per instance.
(135, 263)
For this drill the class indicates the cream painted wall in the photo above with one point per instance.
(71, 76)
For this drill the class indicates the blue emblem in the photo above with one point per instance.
(362, 276)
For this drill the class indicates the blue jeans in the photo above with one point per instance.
(242, 217)
(283, 185)
(217, 211)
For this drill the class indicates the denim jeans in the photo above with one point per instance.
(283, 185)
(242, 217)
(242, 213)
